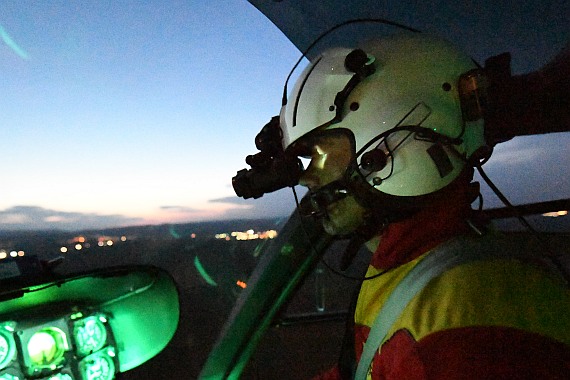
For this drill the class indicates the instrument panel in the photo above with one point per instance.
(76, 346)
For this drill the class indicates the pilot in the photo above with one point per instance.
(393, 131)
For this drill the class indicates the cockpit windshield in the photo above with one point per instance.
(123, 124)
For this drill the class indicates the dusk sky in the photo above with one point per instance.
(140, 112)
(132, 111)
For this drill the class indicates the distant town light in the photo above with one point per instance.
(270, 234)
(81, 239)
(78, 247)
(21, 253)
(13, 253)
(100, 244)
(241, 284)
(556, 214)
(3, 254)
(123, 238)
(252, 235)
(109, 242)
(63, 249)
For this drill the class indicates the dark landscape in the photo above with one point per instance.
(209, 290)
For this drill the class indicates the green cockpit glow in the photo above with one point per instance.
(98, 366)
(203, 273)
(46, 347)
(134, 308)
(90, 334)
(173, 232)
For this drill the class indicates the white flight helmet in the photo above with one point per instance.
(403, 109)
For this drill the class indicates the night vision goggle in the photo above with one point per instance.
(271, 168)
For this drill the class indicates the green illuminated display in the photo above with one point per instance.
(6, 350)
(46, 348)
(90, 334)
(7, 345)
(42, 348)
(98, 366)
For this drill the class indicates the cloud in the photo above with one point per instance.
(517, 154)
(530, 150)
(530, 169)
(516, 157)
(38, 218)
(273, 205)
(178, 209)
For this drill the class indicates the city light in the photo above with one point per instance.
(82, 243)
(556, 214)
(249, 235)
(270, 234)
(4, 254)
